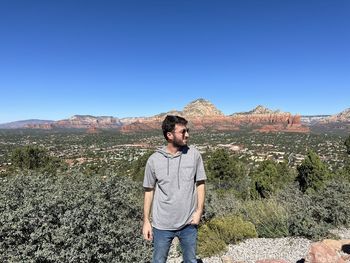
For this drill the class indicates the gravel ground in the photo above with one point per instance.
(291, 249)
(343, 233)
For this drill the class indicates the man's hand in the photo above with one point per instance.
(147, 231)
(147, 227)
(196, 218)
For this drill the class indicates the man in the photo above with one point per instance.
(175, 183)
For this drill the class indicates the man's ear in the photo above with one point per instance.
(170, 135)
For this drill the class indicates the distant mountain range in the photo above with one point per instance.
(201, 113)
(258, 110)
(23, 124)
(312, 119)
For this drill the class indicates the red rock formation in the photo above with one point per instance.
(201, 114)
(320, 252)
(142, 126)
(267, 122)
(343, 116)
(81, 122)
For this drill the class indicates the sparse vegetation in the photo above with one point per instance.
(65, 218)
(35, 158)
(78, 182)
(269, 178)
(218, 232)
(312, 173)
(347, 144)
(269, 217)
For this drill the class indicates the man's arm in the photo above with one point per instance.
(200, 203)
(147, 227)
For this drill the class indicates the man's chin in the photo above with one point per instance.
(184, 144)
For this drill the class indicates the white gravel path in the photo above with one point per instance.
(292, 249)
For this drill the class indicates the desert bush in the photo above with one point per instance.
(35, 158)
(312, 173)
(347, 144)
(313, 215)
(344, 172)
(269, 217)
(269, 178)
(226, 172)
(219, 203)
(334, 202)
(139, 165)
(209, 242)
(70, 218)
(223, 169)
(303, 213)
(219, 232)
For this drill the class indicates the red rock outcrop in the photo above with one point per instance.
(201, 107)
(82, 122)
(146, 125)
(343, 116)
(201, 114)
(327, 251)
(264, 123)
(86, 121)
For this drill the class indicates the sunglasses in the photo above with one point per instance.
(183, 132)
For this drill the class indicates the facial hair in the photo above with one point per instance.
(178, 143)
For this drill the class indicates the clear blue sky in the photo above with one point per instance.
(139, 58)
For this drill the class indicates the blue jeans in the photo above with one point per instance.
(188, 241)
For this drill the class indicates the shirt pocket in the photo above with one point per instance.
(188, 173)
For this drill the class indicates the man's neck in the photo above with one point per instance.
(172, 149)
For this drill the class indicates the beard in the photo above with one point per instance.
(178, 143)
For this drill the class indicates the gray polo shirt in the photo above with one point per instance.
(174, 178)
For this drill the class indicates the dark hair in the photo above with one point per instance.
(169, 123)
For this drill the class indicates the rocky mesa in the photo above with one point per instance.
(81, 122)
(203, 115)
(343, 116)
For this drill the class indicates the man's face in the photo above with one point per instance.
(180, 135)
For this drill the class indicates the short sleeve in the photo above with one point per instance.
(149, 179)
(200, 174)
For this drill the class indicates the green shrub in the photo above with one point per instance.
(71, 218)
(269, 178)
(344, 172)
(209, 242)
(312, 173)
(333, 203)
(313, 214)
(219, 232)
(269, 217)
(139, 165)
(304, 218)
(224, 171)
(347, 144)
(219, 202)
(35, 158)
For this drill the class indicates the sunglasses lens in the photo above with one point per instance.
(185, 130)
